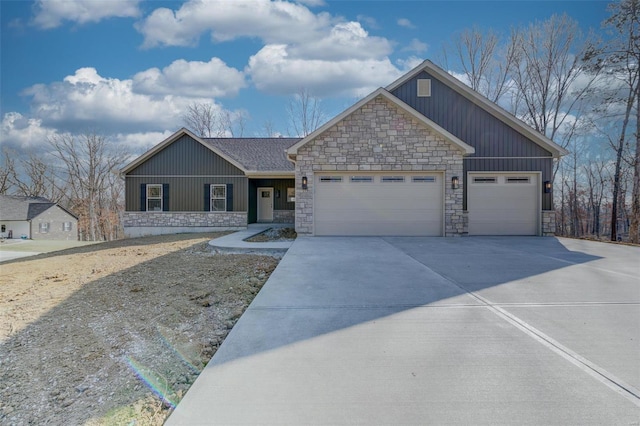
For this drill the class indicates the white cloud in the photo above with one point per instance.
(404, 22)
(409, 63)
(51, 13)
(416, 46)
(86, 100)
(19, 131)
(311, 3)
(198, 79)
(347, 40)
(272, 70)
(273, 22)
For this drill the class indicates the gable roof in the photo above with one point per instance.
(168, 141)
(256, 154)
(467, 149)
(484, 103)
(15, 207)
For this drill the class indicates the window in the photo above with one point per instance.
(331, 179)
(43, 227)
(218, 198)
(519, 179)
(424, 88)
(484, 180)
(3, 228)
(361, 178)
(291, 195)
(430, 179)
(154, 198)
(66, 226)
(392, 179)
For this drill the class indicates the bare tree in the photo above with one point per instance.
(6, 170)
(208, 121)
(305, 113)
(485, 61)
(202, 119)
(548, 60)
(88, 163)
(620, 60)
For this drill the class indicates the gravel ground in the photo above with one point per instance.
(116, 333)
(274, 234)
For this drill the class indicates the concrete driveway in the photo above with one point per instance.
(433, 331)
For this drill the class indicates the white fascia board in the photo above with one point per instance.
(292, 151)
(168, 141)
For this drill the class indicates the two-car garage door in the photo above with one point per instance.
(379, 204)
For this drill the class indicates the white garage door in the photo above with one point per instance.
(377, 204)
(503, 204)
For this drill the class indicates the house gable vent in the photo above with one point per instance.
(424, 88)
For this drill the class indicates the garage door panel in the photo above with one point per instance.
(502, 207)
(378, 208)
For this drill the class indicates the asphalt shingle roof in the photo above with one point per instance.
(256, 154)
(13, 207)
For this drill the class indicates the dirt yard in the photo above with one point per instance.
(115, 333)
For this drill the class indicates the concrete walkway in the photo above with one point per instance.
(432, 331)
(235, 242)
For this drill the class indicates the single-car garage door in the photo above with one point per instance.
(378, 204)
(503, 204)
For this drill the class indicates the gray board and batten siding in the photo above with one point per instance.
(490, 136)
(186, 166)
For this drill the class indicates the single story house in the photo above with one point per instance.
(425, 156)
(36, 218)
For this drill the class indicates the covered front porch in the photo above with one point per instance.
(271, 200)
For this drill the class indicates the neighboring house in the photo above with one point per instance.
(36, 218)
(425, 156)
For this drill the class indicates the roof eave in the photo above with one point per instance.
(283, 174)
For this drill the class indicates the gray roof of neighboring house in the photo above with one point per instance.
(14, 207)
(256, 154)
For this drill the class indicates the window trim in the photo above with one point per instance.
(423, 179)
(43, 227)
(330, 179)
(392, 179)
(485, 179)
(149, 197)
(64, 226)
(361, 179)
(213, 198)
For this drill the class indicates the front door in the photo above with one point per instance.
(265, 204)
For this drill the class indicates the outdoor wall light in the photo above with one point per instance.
(277, 194)
(547, 186)
(304, 183)
(455, 182)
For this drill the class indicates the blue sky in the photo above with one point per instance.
(128, 69)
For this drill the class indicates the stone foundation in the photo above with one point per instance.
(548, 223)
(182, 221)
(284, 216)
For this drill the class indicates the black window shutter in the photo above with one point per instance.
(165, 197)
(207, 197)
(229, 197)
(143, 197)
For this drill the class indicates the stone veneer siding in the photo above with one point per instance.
(380, 137)
(284, 216)
(548, 223)
(185, 219)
